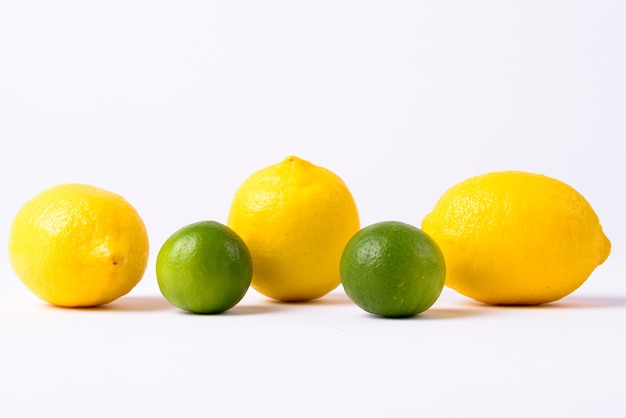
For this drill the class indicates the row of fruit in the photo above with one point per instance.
(293, 233)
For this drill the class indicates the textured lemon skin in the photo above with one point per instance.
(516, 238)
(296, 219)
(76, 245)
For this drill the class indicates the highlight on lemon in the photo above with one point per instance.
(516, 238)
(77, 245)
(296, 218)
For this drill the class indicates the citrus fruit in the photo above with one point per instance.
(77, 245)
(516, 238)
(392, 269)
(204, 268)
(296, 218)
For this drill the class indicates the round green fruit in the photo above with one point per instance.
(392, 269)
(204, 268)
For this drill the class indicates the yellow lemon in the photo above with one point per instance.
(516, 238)
(77, 245)
(296, 218)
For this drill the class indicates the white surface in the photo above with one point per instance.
(173, 103)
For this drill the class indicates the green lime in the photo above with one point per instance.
(392, 269)
(204, 268)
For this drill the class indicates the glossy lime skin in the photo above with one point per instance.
(204, 268)
(392, 269)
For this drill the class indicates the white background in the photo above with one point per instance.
(172, 104)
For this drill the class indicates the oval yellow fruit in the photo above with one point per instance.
(76, 245)
(296, 218)
(516, 238)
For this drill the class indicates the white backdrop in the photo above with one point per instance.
(172, 104)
